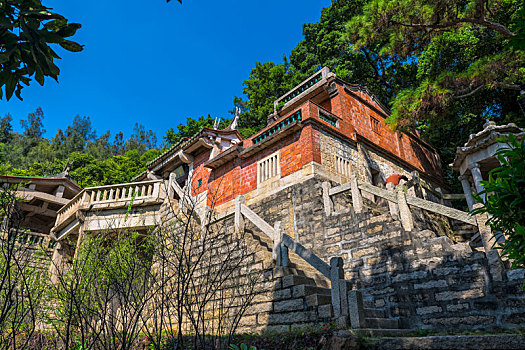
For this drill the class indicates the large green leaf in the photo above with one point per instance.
(69, 30)
(71, 46)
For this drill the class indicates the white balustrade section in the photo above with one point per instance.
(110, 194)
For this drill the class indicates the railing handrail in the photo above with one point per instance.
(307, 255)
(95, 188)
(282, 242)
(71, 202)
(79, 198)
(392, 196)
(304, 253)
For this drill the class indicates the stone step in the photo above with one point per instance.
(318, 300)
(386, 323)
(375, 313)
(294, 280)
(383, 332)
(474, 341)
(320, 279)
(304, 290)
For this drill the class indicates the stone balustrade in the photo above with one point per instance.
(107, 195)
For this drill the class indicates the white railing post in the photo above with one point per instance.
(285, 260)
(356, 309)
(489, 241)
(393, 207)
(338, 288)
(277, 242)
(328, 204)
(238, 219)
(156, 190)
(357, 199)
(170, 189)
(405, 215)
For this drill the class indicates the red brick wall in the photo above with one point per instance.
(200, 173)
(239, 176)
(406, 147)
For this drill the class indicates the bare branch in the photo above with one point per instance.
(472, 92)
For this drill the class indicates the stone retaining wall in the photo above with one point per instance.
(418, 277)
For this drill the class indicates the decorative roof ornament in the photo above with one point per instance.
(67, 169)
(216, 123)
(235, 122)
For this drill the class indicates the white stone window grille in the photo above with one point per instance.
(343, 166)
(269, 167)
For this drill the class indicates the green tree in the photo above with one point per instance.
(266, 83)
(75, 138)
(27, 31)
(33, 125)
(6, 129)
(141, 139)
(466, 61)
(325, 44)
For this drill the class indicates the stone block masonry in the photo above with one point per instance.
(418, 278)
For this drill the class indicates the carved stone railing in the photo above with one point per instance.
(69, 209)
(124, 192)
(30, 239)
(400, 203)
(283, 242)
(107, 195)
(397, 196)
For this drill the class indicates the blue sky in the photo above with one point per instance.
(157, 63)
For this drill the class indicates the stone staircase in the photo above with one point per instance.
(301, 295)
(308, 283)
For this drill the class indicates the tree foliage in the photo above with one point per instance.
(94, 160)
(190, 128)
(28, 30)
(464, 50)
(325, 44)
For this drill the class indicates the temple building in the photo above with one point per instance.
(324, 126)
(334, 242)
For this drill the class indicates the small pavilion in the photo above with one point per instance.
(477, 157)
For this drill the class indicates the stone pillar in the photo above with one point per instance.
(357, 200)
(277, 242)
(476, 175)
(405, 214)
(328, 204)
(56, 263)
(239, 219)
(467, 190)
(496, 266)
(338, 291)
(366, 167)
(394, 208)
(356, 309)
